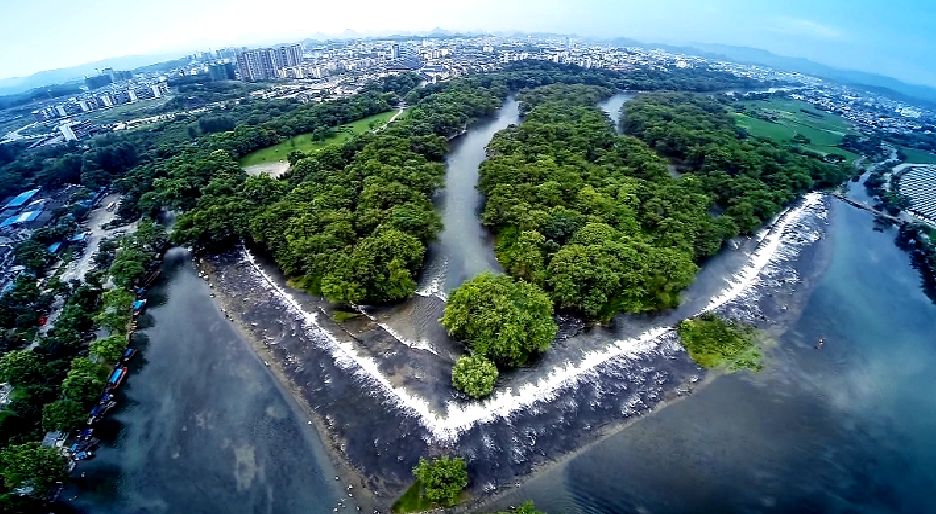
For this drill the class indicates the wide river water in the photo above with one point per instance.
(850, 428)
(205, 426)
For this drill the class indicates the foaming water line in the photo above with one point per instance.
(778, 242)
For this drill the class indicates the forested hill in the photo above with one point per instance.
(597, 220)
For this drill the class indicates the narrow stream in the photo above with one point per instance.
(612, 107)
(465, 248)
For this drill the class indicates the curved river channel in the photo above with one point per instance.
(205, 425)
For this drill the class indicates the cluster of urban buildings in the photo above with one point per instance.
(916, 183)
(114, 95)
(28, 211)
(869, 110)
(313, 71)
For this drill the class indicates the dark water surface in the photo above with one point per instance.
(850, 428)
(203, 427)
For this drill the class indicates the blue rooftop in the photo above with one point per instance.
(21, 218)
(21, 198)
(54, 247)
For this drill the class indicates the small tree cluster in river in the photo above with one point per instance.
(474, 375)
(714, 342)
(504, 320)
(442, 479)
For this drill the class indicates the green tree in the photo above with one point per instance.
(474, 375)
(109, 349)
(380, 269)
(115, 311)
(63, 415)
(524, 257)
(33, 466)
(20, 367)
(498, 318)
(442, 479)
(85, 381)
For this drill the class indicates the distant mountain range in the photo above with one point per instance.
(916, 93)
(15, 85)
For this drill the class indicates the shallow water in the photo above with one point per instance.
(202, 426)
(845, 429)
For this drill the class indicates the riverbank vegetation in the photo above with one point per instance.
(56, 383)
(351, 222)
(920, 241)
(715, 342)
(439, 483)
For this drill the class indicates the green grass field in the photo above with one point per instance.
(412, 501)
(918, 156)
(793, 118)
(304, 142)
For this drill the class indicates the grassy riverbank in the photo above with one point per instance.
(916, 156)
(305, 143)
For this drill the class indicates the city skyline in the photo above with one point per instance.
(874, 38)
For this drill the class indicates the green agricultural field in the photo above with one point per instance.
(789, 119)
(304, 142)
(918, 156)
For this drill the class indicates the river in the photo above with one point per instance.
(612, 107)
(203, 426)
(845, 429)
(464, 248)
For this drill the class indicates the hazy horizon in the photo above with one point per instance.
(892, 40)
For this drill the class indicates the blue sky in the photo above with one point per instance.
(893, 37)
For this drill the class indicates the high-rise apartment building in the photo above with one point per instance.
(287, 56)
(265, 63)
(254, 65)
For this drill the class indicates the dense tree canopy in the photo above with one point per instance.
(504, 320)
(601, 222)
(442, 479)
(474, 375)
(32, 465)
(353, 221)
(750, 179)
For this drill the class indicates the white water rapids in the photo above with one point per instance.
(779, 243)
